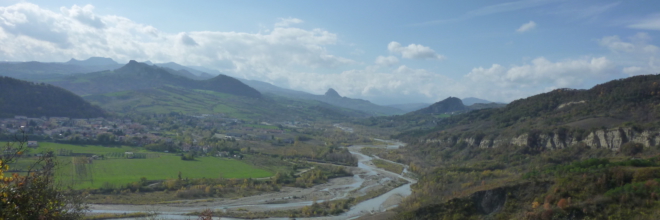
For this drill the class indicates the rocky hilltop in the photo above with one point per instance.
(332, 93)
(448, 105)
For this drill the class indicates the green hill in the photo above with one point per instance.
(448, 105)
(141, 76)
(24, 98)
(166, 99)
(564, 154)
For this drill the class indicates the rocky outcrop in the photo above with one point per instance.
(612, 139)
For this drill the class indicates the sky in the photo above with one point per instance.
(387, 52)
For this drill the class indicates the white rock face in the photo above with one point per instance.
(612, 139)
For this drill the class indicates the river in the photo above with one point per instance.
(366, 176)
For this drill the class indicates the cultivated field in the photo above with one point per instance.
(115, 169)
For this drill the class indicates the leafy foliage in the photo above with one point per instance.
(34, 195)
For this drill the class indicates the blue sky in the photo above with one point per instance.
(384, 51)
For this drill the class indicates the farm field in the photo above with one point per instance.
(156, 166)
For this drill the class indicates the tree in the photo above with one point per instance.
(34, 195)
(562, 204)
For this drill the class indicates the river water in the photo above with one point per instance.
(377, 204)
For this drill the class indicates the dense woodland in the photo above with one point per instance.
(30, 99)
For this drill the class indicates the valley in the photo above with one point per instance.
(176, 148)
(329, 110)
(366, 179)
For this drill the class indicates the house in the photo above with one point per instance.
(222, 154)
(234, 135)
(33, 144)
(129, 154)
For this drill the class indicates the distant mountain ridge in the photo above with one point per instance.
(75, 76)
(186, 71)
(409, 107)
(167, 99)
(93, 61)
(18, 97)
(139, 76)
(330, 97)
(473, 100)
(35, 71)
(453, 104)
(448, 105)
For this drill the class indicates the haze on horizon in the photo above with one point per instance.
(386, 52)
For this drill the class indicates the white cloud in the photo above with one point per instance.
(187, 40)
(286, 22)
(499, 82)
(632, 70)
(84, 15)
(386, 61)
(526, 27)
(80, 33)
(651, 22)
(636, 55)
(615, 44)
(413, 51)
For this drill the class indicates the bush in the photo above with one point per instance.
(631, 148)
(34, 196)
(187, 156)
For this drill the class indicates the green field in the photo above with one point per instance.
(158, 166)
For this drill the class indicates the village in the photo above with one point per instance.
(129, 132)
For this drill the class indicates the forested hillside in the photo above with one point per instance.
(24, 98)
(166, 99)
(578, 154)
(139, 76)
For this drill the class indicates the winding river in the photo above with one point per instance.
(337, 191)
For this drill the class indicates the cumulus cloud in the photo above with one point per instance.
(413, 51)
(538, 76)
(285, 22)
(526, 27)
(637, 55)
(187, 40)
(84, 15)
(386, 61)
(651, 22)
(80, 33)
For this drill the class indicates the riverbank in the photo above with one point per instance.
(366, 178)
